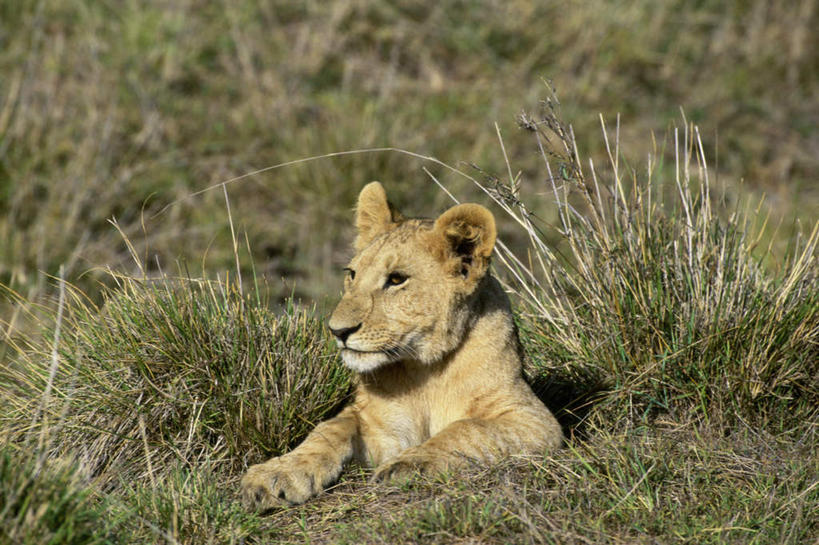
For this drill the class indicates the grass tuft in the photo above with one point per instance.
(172, 371)
(183, 506)
(46, 502)
(654, 295)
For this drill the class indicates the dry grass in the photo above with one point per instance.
(670, 322)
(655, 293)
(173, 371)
(119, 112)
(684, 372)
(644, 486)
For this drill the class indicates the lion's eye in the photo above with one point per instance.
(350, 273)
(395, 279)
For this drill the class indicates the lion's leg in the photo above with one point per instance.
(478, 439)
(307, 470)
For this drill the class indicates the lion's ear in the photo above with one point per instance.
(374, 215)
(466, 236)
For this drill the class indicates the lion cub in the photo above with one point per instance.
(430, 334)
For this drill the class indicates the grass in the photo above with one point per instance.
(683, 313)
(46, 503)
(175, 370)
(684, 371)
(669, 315)
(119, 112)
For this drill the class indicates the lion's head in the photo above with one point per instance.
(408, 290)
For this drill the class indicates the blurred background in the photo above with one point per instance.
(115, 115)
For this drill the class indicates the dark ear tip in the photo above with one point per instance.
(472, 215)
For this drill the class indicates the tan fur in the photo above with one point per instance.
(437, 357)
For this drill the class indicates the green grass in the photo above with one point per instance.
(46, 502)
(670, 318)
(118, 112)
(654, 293)
(684, 372)
(176, 370)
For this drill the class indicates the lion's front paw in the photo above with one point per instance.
(277, 482)
(406, 465)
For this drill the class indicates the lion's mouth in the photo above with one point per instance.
(364, 361)
(364, 353)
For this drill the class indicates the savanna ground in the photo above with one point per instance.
(669, 313)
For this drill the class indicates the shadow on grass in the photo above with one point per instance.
(570, 399)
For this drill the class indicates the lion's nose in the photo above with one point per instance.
(344, 332)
